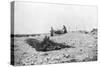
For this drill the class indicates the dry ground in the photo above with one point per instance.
(85, 49)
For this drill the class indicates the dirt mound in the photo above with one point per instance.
(75, 38)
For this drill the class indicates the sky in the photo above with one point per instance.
(36, 18)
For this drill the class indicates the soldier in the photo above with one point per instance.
(64, 28)
(52, 31)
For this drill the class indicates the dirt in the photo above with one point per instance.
(85, 49)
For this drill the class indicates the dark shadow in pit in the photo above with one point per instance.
(46, 44)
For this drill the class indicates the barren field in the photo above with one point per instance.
(84, 48)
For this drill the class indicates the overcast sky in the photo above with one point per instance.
(34, 18)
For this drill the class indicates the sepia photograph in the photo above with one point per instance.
(53, 33)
